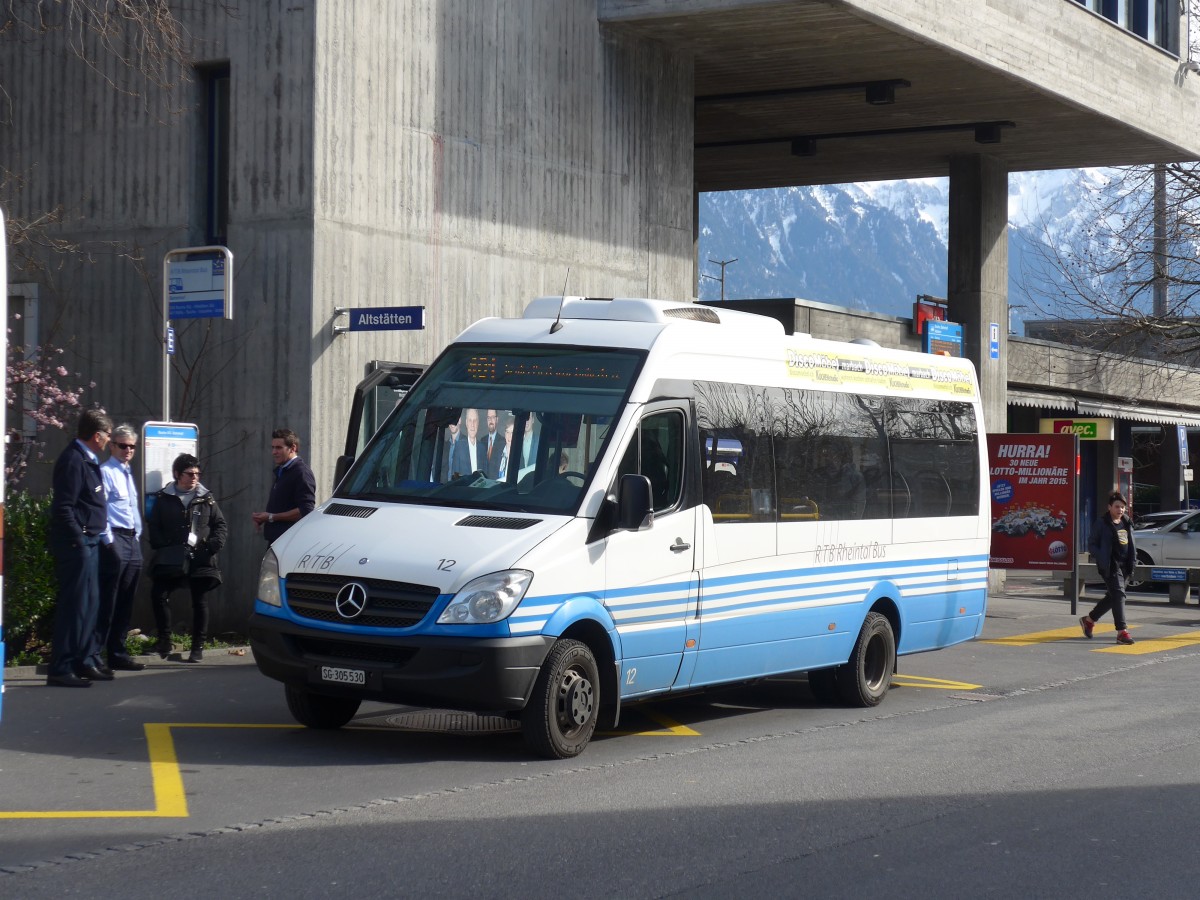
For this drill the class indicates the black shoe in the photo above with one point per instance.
(163, 647)
(92, 673)
(196, 656)
(67, 680)
(125, 664)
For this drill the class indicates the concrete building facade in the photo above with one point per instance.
(465, 156)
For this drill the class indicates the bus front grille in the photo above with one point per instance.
(387, 604)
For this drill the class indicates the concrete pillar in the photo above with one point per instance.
(1173, 494)
(977, 275)
(977, 282)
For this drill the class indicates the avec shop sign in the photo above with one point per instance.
(1084, 429)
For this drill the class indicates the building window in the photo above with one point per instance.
(214, 158)
(1156, 21)
(23, 328)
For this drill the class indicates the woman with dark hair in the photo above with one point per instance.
(186, 528)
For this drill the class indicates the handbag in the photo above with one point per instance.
(174, 561)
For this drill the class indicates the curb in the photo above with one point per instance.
(176, 656)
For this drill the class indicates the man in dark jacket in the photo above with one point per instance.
(1111, 546)
(78, 516)
(294, 491)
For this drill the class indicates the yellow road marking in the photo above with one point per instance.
(670, 728)
(170, 801)
(1154, 645)
(940, 684)
(1046, 637)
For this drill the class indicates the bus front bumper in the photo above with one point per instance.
(475, 674)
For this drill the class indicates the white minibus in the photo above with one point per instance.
(609, 500)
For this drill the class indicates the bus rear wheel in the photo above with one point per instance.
(866, 677)
(563, 709)
(319, 710)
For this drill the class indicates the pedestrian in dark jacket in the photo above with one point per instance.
(1111, 546)
(185, 514)
(78, 516)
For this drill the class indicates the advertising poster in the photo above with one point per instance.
(1033, 500)
(161, 443)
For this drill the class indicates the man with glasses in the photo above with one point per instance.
(78, 519)
(120, 551)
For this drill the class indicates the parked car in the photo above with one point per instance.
(1168, 538)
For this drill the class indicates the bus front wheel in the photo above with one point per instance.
(319, 710)
(562, 711)
(866, 677)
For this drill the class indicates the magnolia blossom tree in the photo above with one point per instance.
(38, 387)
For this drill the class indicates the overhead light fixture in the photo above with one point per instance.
(805, 144)
(878, 93)
(987, 133)
(881, 93)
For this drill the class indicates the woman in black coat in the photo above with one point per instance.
(185, 514)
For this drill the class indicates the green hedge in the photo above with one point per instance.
(29, 582)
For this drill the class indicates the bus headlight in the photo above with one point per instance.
(268, 580)
(489, 598)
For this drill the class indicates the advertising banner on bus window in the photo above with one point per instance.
(1033, 500)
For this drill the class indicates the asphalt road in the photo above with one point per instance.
(1043, 765)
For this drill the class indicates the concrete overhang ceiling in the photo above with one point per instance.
(781, 98)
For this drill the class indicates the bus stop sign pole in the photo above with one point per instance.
(197, 284)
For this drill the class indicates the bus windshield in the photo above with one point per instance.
(513, 428)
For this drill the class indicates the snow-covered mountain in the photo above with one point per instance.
(876, 246)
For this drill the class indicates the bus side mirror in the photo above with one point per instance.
(341, 468)
(635, 512)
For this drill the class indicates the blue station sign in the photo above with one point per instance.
(387, 318)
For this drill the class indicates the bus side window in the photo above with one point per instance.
(933, 448)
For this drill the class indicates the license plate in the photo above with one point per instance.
(343, 676)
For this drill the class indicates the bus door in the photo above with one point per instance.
(374, 398)
(651, 574)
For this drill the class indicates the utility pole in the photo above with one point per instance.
(722, 263)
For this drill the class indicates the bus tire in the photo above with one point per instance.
(865, 679)
(319, 710)
(560, 717)
(823, 685)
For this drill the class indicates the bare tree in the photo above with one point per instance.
(142, 39)
(1129, 283)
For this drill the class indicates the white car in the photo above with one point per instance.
(1169, 538)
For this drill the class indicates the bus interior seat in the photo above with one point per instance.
(932, 495)
(654, 467)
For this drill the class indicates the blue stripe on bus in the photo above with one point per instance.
(880, 570)
(818, 586)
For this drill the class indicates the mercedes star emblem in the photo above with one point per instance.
(351, 600)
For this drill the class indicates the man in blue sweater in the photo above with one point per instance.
(294, 491)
